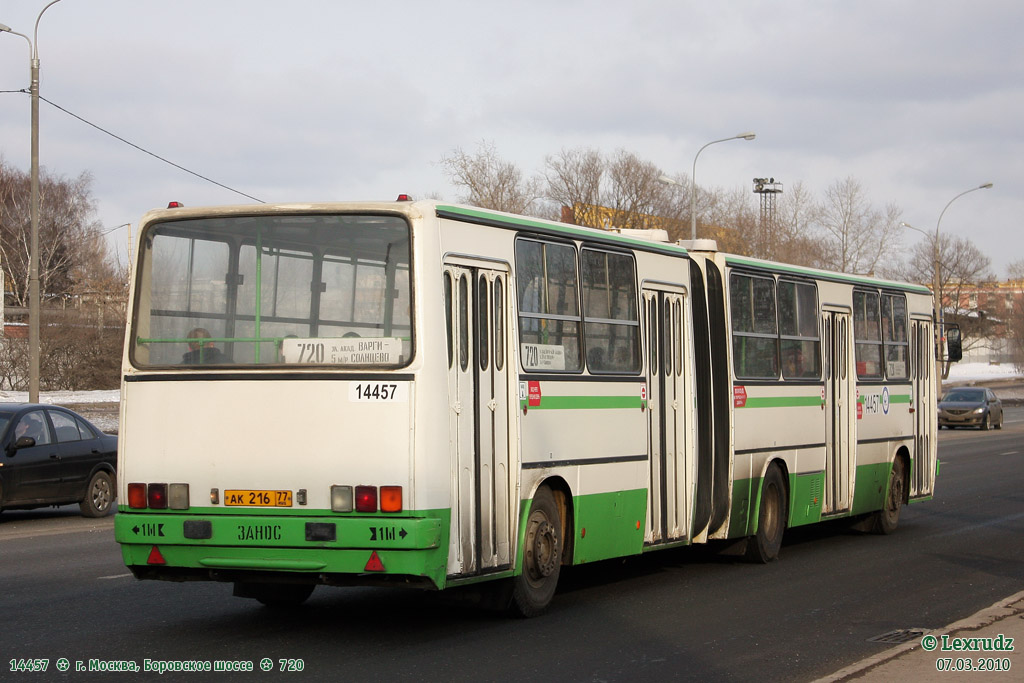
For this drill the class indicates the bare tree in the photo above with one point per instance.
(792, 239)
(66, 223)
(634, 191)
(621, 192)
(573, 180)
(489, 181)
(1015, 320)
(856, 237)
(962, 266)
(732, 220)
(83, 289)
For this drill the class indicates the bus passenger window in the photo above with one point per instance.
(755, 332)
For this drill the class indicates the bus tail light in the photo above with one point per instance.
(390, 498)
(157, 496)
(366, 499)
(177, 497)
(137, 496)
(341, 498)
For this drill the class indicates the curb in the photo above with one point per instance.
(986, 617)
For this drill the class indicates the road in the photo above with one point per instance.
(685, 614)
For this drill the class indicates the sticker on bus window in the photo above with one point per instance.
(543, 356)
(346, 351)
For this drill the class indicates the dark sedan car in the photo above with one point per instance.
(53, 456)
(971, 407)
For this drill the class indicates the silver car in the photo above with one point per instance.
(971, 407)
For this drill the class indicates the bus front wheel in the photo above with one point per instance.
(764, 546)
(533, 589)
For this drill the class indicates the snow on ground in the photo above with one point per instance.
(980, 372)
(63, 397)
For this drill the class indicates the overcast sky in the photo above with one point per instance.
(330, 100)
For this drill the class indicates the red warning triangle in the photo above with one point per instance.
(374, 564)
(155, 557)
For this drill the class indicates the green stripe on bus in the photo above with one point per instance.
(584, 403)
(893, 398)
(734, 260)
(782, 401)
(581, 232)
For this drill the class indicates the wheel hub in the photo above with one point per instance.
(545, 558)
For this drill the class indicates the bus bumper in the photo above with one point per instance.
(329, 549)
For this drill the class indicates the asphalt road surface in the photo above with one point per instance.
(674, 615)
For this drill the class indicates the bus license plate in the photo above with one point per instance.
(263, 499)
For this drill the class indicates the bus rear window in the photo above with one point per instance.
(316, 289)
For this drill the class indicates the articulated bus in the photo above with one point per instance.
(423, 394)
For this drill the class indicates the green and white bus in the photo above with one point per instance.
(423, 394)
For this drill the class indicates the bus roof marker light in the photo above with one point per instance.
(175, 205)
(404, 198)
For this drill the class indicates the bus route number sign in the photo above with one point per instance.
(351, 351)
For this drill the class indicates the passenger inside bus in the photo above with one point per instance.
(202, 353)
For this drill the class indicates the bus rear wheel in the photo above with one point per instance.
(275, 595)
(764, 546)
(886, 519)
(533, 589)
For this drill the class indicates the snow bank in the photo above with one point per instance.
(63, 397)
(976, 372)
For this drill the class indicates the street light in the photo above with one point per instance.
(937, 280)
(33, 268)
(693, 179)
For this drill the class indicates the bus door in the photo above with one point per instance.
(668, 511)
(840, 404)
(922, 369)
(478, 320)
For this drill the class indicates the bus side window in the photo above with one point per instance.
(448, 317)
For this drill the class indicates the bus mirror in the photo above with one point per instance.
(954, 344)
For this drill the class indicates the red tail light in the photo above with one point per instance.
(137, 496)
(158, 496)
(366, 499)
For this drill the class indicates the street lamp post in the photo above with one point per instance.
(693, 179)
(33, 268)
(937, 280)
